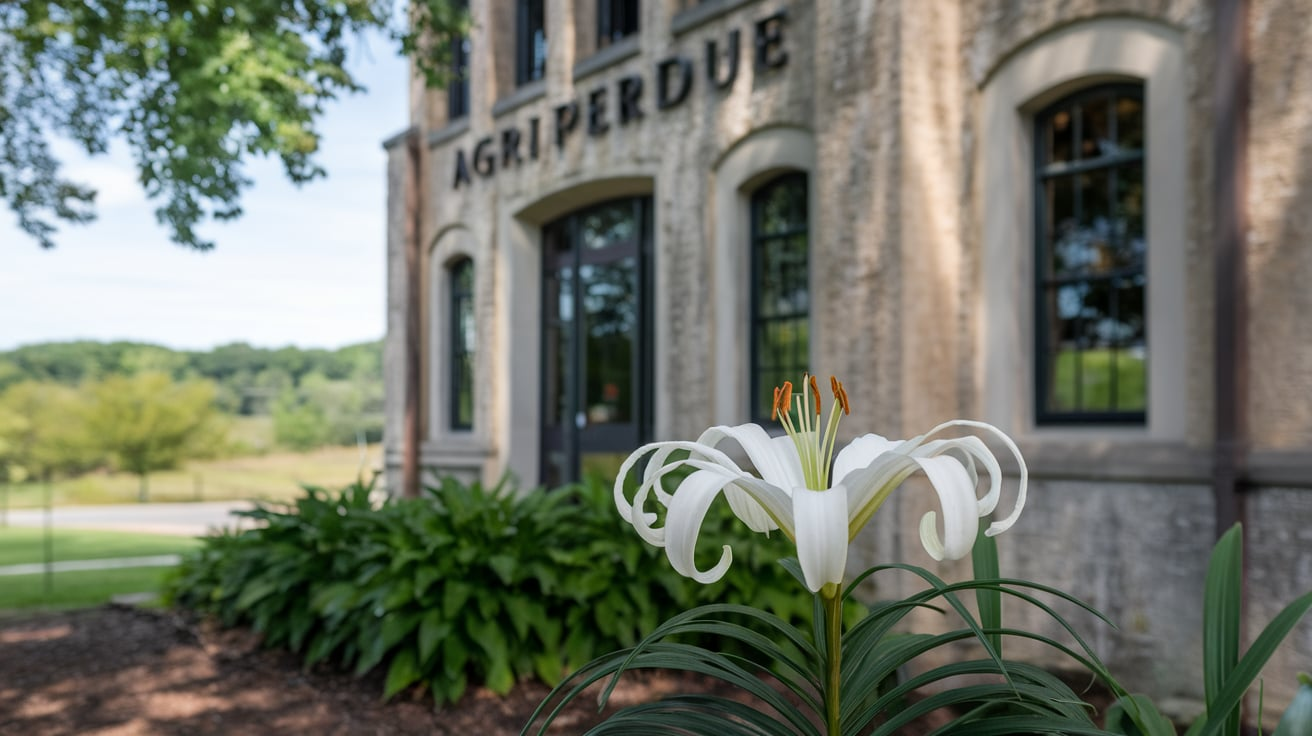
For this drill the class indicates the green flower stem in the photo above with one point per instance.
(832, 598)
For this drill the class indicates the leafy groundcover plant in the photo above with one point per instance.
(464, 585)
(838, 677)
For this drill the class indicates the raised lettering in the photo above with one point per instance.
(713, 62)
(567, 116)
(462, 170)
(664, 97)
(485, 160)
(630, 95)
(597, 112)
(510, 147)
(770, 53)
(533, 139)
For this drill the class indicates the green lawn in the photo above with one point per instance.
(1094, 385)
(80, 589)
(273, 476)
(22, 546)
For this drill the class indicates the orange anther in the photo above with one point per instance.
(786, 396)
(840, 394)
(774, 409)
(815, 389)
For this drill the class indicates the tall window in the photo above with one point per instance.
(615, 20)
(457, 93)
(781, 297)
(463, 343)
(531, 41)
(1090, 327)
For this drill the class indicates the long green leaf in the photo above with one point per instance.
(1250, 666)
(1221, 597)
(1144, 718)
(984, 558)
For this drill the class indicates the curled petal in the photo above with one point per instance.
(776, 463)
(684, 522)
(659, 466)
(773, 501)
(969, 450)
(820, 518)
(956, 496)
(1002, 525)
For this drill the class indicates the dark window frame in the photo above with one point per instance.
(617, 20)
(1114, 164)
(755, 319)
(461, 354)
(530, 18)
(457, 92)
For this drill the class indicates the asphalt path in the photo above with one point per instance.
(182, 519)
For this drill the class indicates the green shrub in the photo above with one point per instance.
(464, 584)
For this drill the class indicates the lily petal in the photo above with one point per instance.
(956, 496)
(684, 522)
(775, 458)
(821, 523)
(859, 453)
(1002, 525)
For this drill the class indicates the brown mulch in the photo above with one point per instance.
(122, 670)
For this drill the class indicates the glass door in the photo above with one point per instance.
(596, 340)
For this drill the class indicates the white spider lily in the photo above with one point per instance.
(792, 488)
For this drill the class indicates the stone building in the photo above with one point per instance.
(1084, 221)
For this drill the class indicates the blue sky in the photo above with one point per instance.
(303, 266)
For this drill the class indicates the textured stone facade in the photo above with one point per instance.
(892, 108)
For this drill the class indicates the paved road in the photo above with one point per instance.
(113, 563)
(183, 519)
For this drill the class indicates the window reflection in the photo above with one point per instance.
(464, 336)
(1091, 322)
(781, 294)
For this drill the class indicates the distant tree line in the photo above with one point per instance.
(313, 397)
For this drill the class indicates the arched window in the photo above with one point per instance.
(463, 344)
(781, 298)
(1091, 250)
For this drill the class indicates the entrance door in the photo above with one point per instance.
(596, 340)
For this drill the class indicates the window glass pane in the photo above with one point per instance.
(610, 313)
(1129, 235)
(463, 345)
(608, 225)
(781, 289)
(1131, 364)
(1091, 241)
(560, 291)
(1060, 136)
(1129, 123)
(532, 51)
(1090, 343)
(1064, 256)
(1095, 128)
(615, 20)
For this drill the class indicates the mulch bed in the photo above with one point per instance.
(122, 670)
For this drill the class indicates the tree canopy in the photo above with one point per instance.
(194, 87)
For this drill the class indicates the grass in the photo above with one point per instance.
(80, 589)
(275, 476)
(1093, 390)
(20, 546)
